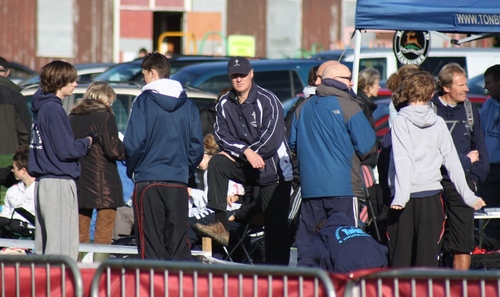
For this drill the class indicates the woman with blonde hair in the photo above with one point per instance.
(99, 186)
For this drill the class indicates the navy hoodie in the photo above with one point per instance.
(338, 247)
(465, 140)
(164, 140)
(54, 152)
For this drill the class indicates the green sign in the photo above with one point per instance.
(241, 45)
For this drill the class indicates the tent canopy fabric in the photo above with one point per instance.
(457, 16)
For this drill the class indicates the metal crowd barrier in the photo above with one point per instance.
(48, 276)
(132, 277)
(426, 282)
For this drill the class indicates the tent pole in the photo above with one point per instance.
(357, 52)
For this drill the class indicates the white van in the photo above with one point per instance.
(474, 60)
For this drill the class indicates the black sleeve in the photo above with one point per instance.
(24, 117)
(289, 116)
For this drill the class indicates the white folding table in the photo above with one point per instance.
(483, 218)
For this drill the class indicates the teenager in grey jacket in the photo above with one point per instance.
(421, 144)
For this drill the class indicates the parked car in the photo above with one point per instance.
(473, 60)
(125, 95)
(19, 72)
(285, 78)
(86, 73)
(132, 71)
(476, 85)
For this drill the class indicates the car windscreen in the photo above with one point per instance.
(122, 72)
(185, 77)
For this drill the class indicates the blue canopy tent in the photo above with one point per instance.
(477, 18)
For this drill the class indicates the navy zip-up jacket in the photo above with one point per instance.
(257, 124)
(163, 140)
(465, 140)
(54, 152)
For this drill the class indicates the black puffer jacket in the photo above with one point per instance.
(99, 185)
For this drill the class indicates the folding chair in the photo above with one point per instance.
(248, 241)
(17, 228)
(25, 214)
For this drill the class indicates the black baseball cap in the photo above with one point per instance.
(239, 65)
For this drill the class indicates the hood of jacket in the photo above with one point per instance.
(330, 82)
(421, 116)
(448, 111)
(166, 93)
(88, 106)
(331, 87)
(39, 99)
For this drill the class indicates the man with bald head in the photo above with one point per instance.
(331, 136)
(322, 69)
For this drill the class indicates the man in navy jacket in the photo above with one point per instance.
(250, 130)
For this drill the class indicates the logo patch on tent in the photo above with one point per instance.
(411, 47)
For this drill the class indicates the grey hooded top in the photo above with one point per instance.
(421, 144)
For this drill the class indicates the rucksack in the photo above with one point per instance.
(468, 111)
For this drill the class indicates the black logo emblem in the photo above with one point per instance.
(411, 47)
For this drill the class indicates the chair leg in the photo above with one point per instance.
(374, 218)
(239, 243)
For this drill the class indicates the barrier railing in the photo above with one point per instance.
(426, 282)
(48, 275)
(161, 278)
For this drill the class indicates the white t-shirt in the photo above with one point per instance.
(19, 196)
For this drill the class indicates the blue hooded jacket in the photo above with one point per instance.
(54, 152)
(331, 136)
(163, 140)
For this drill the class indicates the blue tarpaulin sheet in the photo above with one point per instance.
(457, 16)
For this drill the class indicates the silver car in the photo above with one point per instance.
(125, 95)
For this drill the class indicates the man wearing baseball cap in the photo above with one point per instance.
(250, 131)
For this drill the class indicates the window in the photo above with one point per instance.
(215, 84)
(278, 82)
(121, 108)
(434, 64)
(378, 63)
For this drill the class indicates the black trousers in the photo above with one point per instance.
(275, 199)
(161, 220)
(415, 232)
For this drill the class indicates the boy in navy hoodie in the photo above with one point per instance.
(53, 160)
(164, 145)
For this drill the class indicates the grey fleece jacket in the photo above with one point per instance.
(421, 144)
